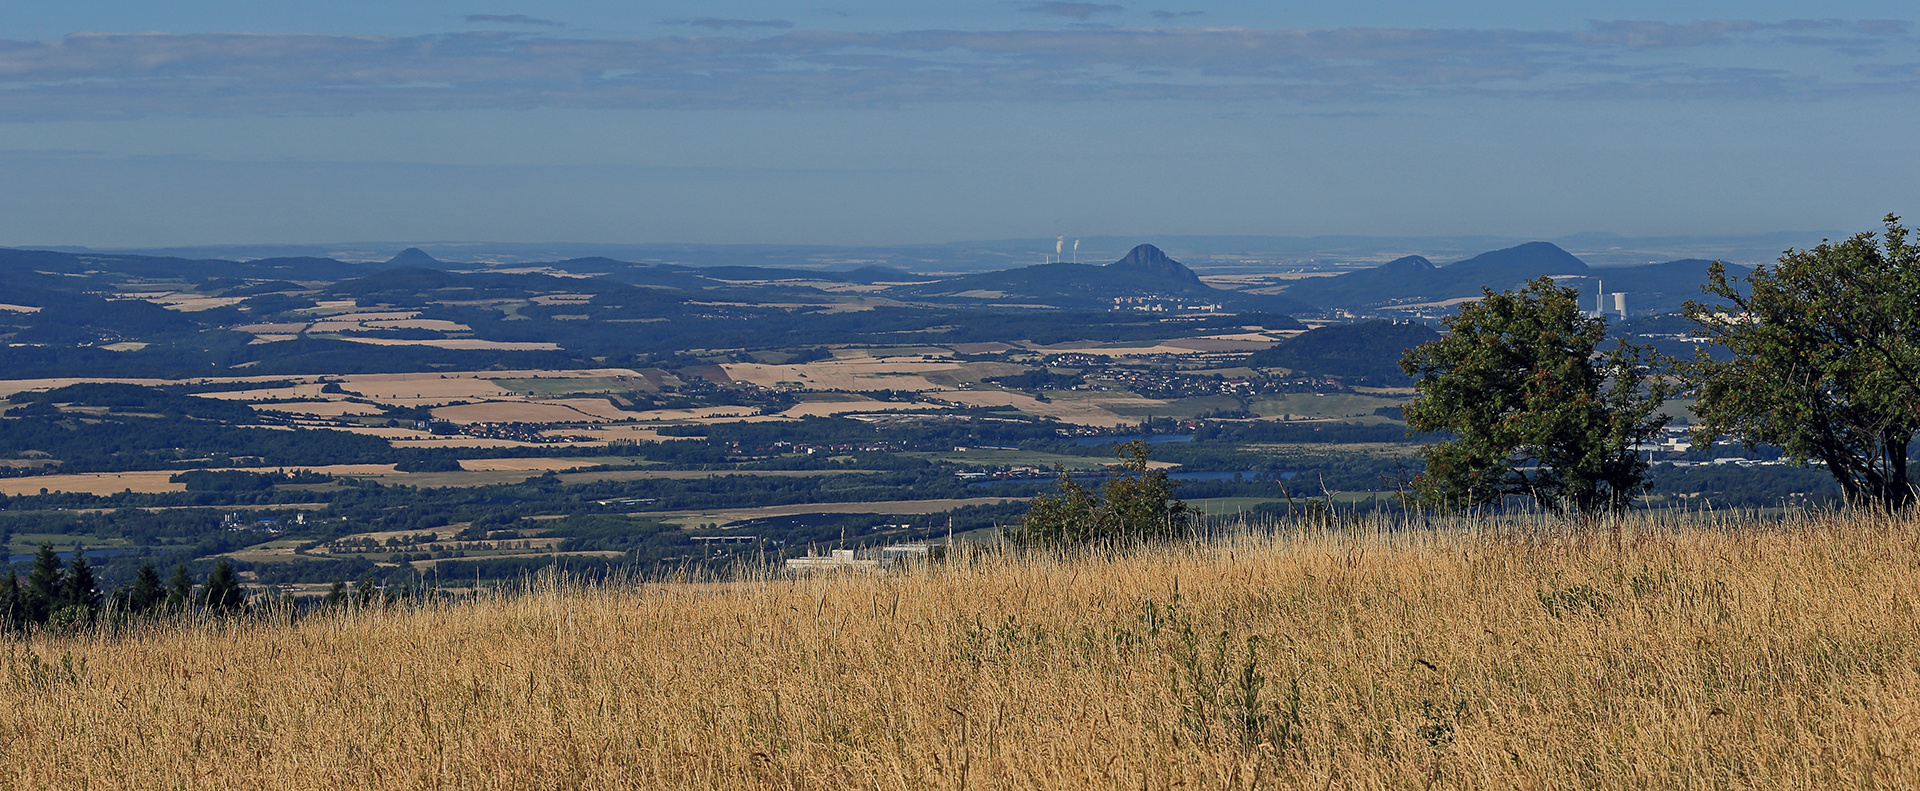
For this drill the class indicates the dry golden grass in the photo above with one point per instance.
(1758, 657)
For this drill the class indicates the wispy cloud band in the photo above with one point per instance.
(101, 75)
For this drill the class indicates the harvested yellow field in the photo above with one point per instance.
(595, 409)
(188, 302)
(1086, 408)
(512, 412)
(276, 328)
(628, 433)
(830, 408)
(438, 325)
(281, 551)
(152, 481)
(392, 388)
(1221, 344)
(11, 386)
(1476, 657)
(859, 373)
(96, 483)
(543, 465)
(328, 307)
(324, 409)
(271, 393)
(443, 387)
(425, 440)
(693, 415)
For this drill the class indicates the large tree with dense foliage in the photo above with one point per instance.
(1826, 360)
(1533, 408)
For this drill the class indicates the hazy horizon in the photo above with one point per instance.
(213, 122)
(1204, 253)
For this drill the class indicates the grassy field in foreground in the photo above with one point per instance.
(1713, 657)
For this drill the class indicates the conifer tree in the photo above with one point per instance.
(222, 592)
(10, 615)
(148, 592)
(364, 595)
(78, 589)
(42, 594)
(180, 589)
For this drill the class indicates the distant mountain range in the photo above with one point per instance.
(1414, 280)
(1205, 253)
(1145, 278)
(1145, 275)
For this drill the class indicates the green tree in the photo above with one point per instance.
(1826, 360)
(336, 595)
(78, 589)
(1534, 410)
(147, 592)
(11, 614)
(365, 595)
(1136, 505)
(179, 589)
(221, 593)
(42, 594)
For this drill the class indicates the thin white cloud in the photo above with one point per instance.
(715, 23)
(99, 75)
(511, 19)
(1078, 11)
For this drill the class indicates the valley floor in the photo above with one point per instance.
(1660, 655)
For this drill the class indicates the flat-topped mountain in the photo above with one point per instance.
(1149, 260)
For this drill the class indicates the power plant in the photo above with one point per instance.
(1600, 301)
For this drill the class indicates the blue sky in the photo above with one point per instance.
(225, 122)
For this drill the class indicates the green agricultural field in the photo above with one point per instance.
(975, 373)
(1226, 507)
(980, 457)
(575, 478)
(1324, 449)
(894, 351)
(1179, 409)
(1218, 507)
(1330, 405)
(28, 543)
